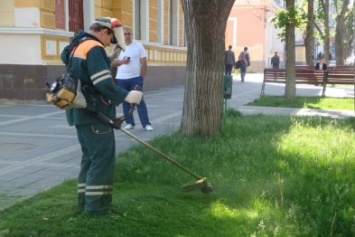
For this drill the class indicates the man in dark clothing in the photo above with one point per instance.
(85, 59)
(244, 57)
(229, 60)
(321, 65)
(275, 61)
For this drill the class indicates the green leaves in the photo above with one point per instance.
(289, 16)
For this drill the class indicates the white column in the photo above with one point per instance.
(66, 10)
(145, 20)
(89, 13)
(160, 29)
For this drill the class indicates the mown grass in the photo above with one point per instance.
(272, 176)
(306, 102)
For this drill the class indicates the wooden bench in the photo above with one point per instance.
(340, 75)
(343, 75)
(342, 67)
(303, 76)
(304, 67)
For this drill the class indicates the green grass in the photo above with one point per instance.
(272, 176)
(306, 102)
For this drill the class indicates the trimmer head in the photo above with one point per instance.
(201, 184)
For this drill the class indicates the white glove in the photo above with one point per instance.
(134, 97)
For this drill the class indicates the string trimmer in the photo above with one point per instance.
(65, 93)
(200, 183)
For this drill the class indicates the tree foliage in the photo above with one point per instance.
(291, 15)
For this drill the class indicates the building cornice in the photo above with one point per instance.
(34, 31)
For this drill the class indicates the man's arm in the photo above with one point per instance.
(117, 63)
(144, 66)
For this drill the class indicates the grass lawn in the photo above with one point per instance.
(272, 176)
(306, 102)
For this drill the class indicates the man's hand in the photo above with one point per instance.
(134, 97)
(117, 122)
(116, 63)
(115, 52)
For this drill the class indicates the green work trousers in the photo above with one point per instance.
(97, 167)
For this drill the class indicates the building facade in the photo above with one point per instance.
(33, 33)
(249, 25)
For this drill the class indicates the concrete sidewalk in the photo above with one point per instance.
(38, 150)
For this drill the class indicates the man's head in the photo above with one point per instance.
(245, 48)
(230, 47)
(127, 31)
(108, 30)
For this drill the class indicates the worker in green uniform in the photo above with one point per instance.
(86, 59)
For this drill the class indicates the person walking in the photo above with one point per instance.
(275, 61)
(229, 60)
(85, 59)
(131, 70)
(244, 57)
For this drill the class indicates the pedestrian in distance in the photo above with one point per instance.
(85, 59)
(131, 69)
(229, 60)
(244, 57)
(319, 55)
(275, 61)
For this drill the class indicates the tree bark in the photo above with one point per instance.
(326, 31)
(309, 40)
(340, 32)
(205, 25)
(290, 89)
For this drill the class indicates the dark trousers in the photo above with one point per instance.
(129, 84)
(243, 71)
(97, 168)
(229, 68)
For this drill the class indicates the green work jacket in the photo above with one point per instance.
(86, 60)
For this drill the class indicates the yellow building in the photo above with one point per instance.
(34, 32)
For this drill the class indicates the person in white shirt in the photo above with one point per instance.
(131, 69)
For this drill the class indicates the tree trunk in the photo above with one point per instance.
(309, 40)
(205, 25)
(290, 89)
(326, 31)
(340, 33)
(349, 34)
